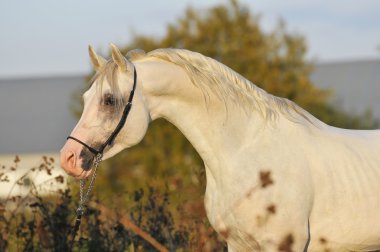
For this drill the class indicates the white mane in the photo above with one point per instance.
(212, 76)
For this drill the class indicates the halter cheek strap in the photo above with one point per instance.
(119, 126)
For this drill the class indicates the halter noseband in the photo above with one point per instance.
(119, 126)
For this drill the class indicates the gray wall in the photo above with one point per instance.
(356, 84)
(34, 113)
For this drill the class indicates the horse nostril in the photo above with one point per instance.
(69, 160)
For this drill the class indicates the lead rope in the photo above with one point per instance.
(84, 198)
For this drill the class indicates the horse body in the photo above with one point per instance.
(277, 178)
(320, 173)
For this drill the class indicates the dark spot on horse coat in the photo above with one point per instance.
(286, 244)
(266, 179)
(88, 157)
(271, 209)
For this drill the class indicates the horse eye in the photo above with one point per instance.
(109, 100)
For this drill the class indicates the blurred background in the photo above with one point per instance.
(323, 55)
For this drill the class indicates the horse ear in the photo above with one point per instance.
(97, 61)
(118, 58)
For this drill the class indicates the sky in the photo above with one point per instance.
(48, 37)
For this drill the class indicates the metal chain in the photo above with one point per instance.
(84, 196)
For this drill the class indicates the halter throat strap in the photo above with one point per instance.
(119, 126)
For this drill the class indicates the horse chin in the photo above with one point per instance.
(84, 174)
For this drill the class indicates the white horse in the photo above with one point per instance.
(277, 177)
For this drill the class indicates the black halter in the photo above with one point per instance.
(119, 126)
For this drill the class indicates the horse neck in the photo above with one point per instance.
(214, 128)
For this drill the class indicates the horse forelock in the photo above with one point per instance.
(107, 74)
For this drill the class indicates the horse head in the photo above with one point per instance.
(109, 123)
